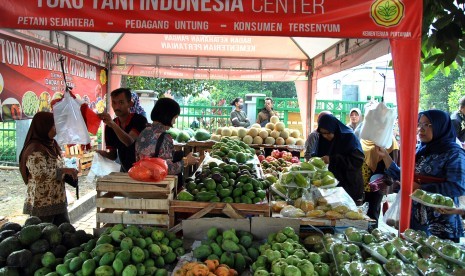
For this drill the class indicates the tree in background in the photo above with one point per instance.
(443, 44)
(435, 92)
(457, 93)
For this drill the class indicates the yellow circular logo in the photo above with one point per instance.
(103, 76)
(387, 13)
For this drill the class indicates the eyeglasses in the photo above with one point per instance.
(424, 126)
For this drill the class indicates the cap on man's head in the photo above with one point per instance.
(356, 110)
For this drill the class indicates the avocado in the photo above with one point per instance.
(11, 226)
(32, 220)
(9, 245)
(66, 227)
(29, 234)
(52, 234)
(39, 246)
(6, 233)
(20, 258)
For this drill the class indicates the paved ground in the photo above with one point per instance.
(87, 222)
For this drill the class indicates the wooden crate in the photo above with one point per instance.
(118, 193)
(85, 162)
(200, 209)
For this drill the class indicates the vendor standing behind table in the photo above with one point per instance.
(121, 133)
(439, 168)
(154, 141)
(355, 119)
(41, 168)
(238, 117)
(458, 121)
(136, 107)
(341, 150)
(266, 113)
(312, 139)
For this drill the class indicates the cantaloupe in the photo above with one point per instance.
(226, 132)
(253, 132)
(269, 131)
(269, 126)
(274, 119)
(241, 132)
(263, 133)
(219, 130)
(215, 137)
(257, 140)
(233, 131)
(247, 139)
(295, 133)
(236, 138)
(274, 134)
(269, 141)
(284, 134)
(290, 141)
(280, 141)
(256, 125)
(279, 126)
(299, 142)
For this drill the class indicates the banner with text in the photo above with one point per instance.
(315, 18)
(31, 77)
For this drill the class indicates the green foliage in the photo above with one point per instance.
(178, 87)
(443, 44)
(435, 93)
(457, 93)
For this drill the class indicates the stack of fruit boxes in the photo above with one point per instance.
(117, 193)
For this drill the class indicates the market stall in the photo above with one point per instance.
(236, 245)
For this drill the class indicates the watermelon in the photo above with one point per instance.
(174, 132)
(183, 137)
(202, 135)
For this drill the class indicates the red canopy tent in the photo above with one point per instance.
(364, 21)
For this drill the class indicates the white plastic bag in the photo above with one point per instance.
(378, 124)
(392, 215)
(69, 123)
(102, 166)
(335, 197)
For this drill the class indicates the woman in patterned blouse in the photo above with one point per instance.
(42, 170)
(164, 115)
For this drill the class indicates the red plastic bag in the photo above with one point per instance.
(149, 170)
(90, 118)
(140, 173)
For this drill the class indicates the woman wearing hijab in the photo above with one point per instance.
(42, 170)
(338, 147)
(238, 116)
(153, 141)
(136, 107)
(439, 168)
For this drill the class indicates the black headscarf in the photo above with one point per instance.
(37, 140)
(444, 136)
(344, 140)
(165, 110)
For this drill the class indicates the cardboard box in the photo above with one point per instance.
(196, 229)
(261, 227)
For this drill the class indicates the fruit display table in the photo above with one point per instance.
(200, 209)
(117, 193)
(359, 224)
